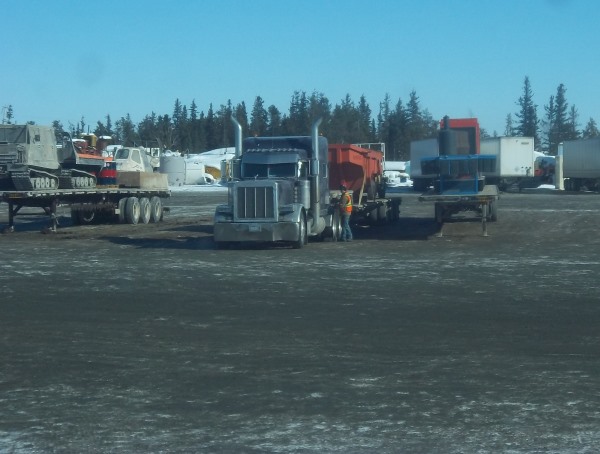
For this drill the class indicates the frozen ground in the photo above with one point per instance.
(147, 339)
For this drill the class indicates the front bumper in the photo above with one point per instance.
(256, 231)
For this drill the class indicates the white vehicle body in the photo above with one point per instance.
(419, 149)
(515, 156)
(133, 159)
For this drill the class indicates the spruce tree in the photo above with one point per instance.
(557, 120)
(527, 123)
(591, 130)
(259, 118)
(509, 130)
(572, 131)
(274, 121)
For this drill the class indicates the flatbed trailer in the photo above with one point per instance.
(124, 205)
(448, 203)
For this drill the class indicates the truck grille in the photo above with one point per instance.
(255, 203)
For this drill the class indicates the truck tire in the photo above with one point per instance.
(336, 226)
(132, 210)
(156, 211)
(121, 207)
(302, 234)
(86, 217)
(144, 210)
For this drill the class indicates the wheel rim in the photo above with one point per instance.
(336, 227)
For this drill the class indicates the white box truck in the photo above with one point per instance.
(515, 160)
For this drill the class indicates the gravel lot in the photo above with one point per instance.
(118, 338)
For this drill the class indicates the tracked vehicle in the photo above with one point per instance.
(31, 160)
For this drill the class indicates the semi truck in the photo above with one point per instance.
(286, 189)
(581, 164)
(515, 160)
(460, 169)
(36, 172)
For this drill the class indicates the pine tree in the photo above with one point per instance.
(557, 120)
(193, 128)
(509, 129)
(148, 130)
(210, 128)
(344, 122)
(298, 121)
(418, 123)
(259, 118)
(591, 130)
(274, 121)
(126, 131)
(109, 126)
(318, 107)
(383, 124)
(527, 123)
(364, 121)
(572, 131)
(548, 122)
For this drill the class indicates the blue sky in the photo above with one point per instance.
(64, 59)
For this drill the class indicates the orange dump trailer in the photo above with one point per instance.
(361, 171)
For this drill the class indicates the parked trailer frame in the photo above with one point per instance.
(484, 202)
(131, 205)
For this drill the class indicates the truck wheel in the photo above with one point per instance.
(86, 217)
(144, 210)
(121, 206)
(132, 210)
(156, 212)
(336, 226)
(302, 234)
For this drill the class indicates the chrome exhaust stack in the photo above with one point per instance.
(236, 171)
(318, 223)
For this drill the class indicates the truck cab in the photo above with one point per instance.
(279, 191)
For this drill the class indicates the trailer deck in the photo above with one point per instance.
(88, 200)
(447, 203)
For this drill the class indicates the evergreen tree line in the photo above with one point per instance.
(560, 123)
(192, 131)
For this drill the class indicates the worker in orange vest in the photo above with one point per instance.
(345, 212)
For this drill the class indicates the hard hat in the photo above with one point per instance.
(342, 187)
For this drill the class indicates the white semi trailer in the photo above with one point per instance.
(581, 164)
(515, 160)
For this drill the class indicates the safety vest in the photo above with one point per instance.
(346, 203)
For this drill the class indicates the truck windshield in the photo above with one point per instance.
(123, 153)
(270, 170)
